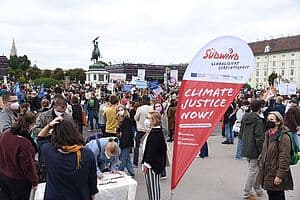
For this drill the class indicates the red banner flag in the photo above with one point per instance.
(210, 84)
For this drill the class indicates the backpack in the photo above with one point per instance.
(295, 152)
(91, 102)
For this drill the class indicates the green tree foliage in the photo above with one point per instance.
(76, 75)
(271, 78)
(247, 86)
(46, 73)
(47, 82)
(58, 74)
(34, 73)
(17, 67)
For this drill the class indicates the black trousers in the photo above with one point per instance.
(276, 195)
(138, 137)
(12, 189)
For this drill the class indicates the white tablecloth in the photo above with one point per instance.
(112, 186)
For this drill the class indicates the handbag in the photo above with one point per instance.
(84, 119)
(236, 126)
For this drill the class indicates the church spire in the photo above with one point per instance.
(13, 51)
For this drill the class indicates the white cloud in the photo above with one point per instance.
(59, 33)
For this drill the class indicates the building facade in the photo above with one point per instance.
(282, 56)
(3, 67)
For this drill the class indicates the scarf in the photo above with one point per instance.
(272, 133)
(74, 149)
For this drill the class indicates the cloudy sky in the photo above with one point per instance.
(59, 33)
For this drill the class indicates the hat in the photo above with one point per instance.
(278, 115)
(294, 101)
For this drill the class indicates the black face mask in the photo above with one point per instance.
(270, 124)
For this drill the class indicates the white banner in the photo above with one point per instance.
(117, 76)
(287, 88)
(173, 78)
(141, 74)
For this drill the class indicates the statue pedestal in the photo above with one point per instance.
(97, 73)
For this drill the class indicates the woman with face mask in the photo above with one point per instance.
(158, 107)
(154, 155)
(126, 139)
(274, 167)
(17, 172)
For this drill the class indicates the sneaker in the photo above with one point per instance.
(90, 130)
(163, 177)
(226, 142)
(251, 197)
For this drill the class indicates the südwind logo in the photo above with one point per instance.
(212, 53)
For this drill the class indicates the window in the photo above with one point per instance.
(101, 77)
(282, 63)
(292, 79)
(292, 62)
(282, 72)
(257, 73)
(265, 80)
(274, 56)
(283, 55)
(274, 63)
(292, 72)
(257, 65)
(265, 73)
(257, 80)
(292, 54)
(95, 77)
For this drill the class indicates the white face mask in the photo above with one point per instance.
(121, 112)
(58, 113)
(147, 123)
(15, 106)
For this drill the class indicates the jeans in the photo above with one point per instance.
(137, 139)
(93, 114)
(239, 146)
(251, 179)
(276, 195)
(204, 151)
(229, 132)
(125, 161)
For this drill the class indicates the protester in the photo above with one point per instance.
(274, 162)
(71, 168)
(9, 114)
(140, 117)
(110, 114)
(102, 108)
(244, 108)
(252, 135)
(93, 108)
(106, 153)
(171, 119)
(228, 121)
(154, 156)
(17, 150)
(44, 105)
(292, 119)
(126, 139)
(77, 113)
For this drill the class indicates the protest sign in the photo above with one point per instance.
(153, 85)
(141, 84)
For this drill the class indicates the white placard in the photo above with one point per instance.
(141, 74)
(287, 88)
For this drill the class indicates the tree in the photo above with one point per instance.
(46, 73)
(271, 78)
(58, 74)
(34, 73)
(24, 63)
(76, 75)
(47, 82)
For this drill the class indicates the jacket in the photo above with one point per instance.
(126, 140)
(155, 150)
(7, 117)
(46, 117)
(171, 116)
(16, 158)
(140, 117)
(274, 161)
(252, 135)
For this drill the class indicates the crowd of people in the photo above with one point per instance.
(51, 147)
(266, 130)
(42, 140)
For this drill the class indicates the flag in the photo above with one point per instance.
(210, 84)
(41, 92)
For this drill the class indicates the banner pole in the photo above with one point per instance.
(172, 195)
